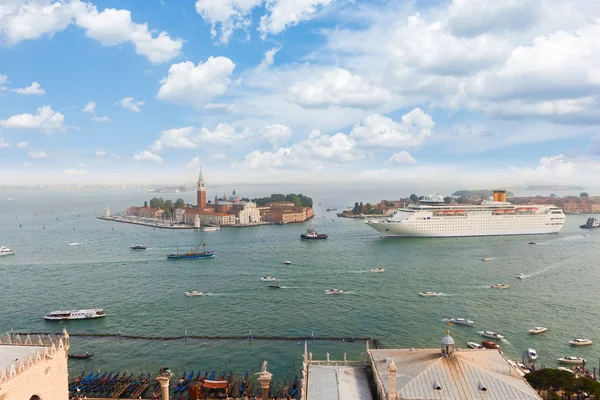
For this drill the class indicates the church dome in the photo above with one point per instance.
(447, 340)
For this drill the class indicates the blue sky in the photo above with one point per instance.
(475, 92)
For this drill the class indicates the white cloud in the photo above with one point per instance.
(74, 171)
(268, 60)
(3, 144)
(223, 135)
(193, 138)
(276, 134)
(131, 104)
(90, 107)
(402, 157)
(46, 120)
(196, 85)
(22, 145)
(95, 118)
(176, 138)
(110, 27)
(217, 156)
(194, 163)
(338, 87)
(225, 16)
(26, 164)
(82, 165)
(37, 154)
(100, 153)
(283, 14)
(33, 89)
(3, 80)
(379, 131)
(147, 156)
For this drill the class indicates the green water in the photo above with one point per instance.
(143, 293)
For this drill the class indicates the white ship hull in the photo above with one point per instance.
(474, 222)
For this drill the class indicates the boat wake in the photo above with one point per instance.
(565, 239)
(74, 244)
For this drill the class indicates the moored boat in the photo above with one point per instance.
(572, 360)
(75, 314)
(580, 342)
(311, 234)
(5, 251)
(538, 329)
(474, 345)
(210, 228)
(489, 345)
(192, 254)
(461, 321)
(499, 286)
(334, 291)
(532, 354)
(81, 356)
(138, 247)
(490, 334)
(193, 293)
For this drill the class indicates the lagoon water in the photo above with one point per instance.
(143, 293)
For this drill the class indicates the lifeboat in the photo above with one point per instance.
(460, 212)
(510, 211)
(449, 212)
(498, 212)
(438, 213)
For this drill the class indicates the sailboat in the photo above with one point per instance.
(192, 254)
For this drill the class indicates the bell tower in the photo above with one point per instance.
(201, 191)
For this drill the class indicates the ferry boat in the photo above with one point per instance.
(5, 251)
(431, 217)
(192, 254)
(311, 234)
(210, 228)
(75, 314)
(590, 223)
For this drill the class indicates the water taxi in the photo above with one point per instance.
(429, 294)
(532, 354)
(538, 329)
(334, 291)
(487, 258)
(138, 247)
(489, 345)
(268, 279)
(499, 286)
(210, 228)
(475, 345)
(461, 321)
(377, 270)
(491, 335)
(572, 360)
(193, 293)
(580, 342)
(287, 262)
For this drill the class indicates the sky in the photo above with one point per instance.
(467, 93)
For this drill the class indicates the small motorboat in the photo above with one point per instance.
(81, 356)
(461, 321)
(5, 251)
(489, 345)
(193, 293)
(73, 244)
(580, 342)
(276, 286)
(491, 335)
(499, 286)
(487, 258)
(334, 291)
(538, 329)
(521, 275)
(377, 270)
(532, 354)
(138, 247)
(522, 367)
(210, 228)
(268, 279)
(475, 345)
(287, 262)
(571, 360)
(532, 243)
(429, 294)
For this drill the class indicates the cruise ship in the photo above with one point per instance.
(494, 217)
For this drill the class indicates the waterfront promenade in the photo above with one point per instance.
(161, 224)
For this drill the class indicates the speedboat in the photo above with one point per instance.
(538, 329)
(532, 243)
(521, 275)
(499, 286)
(377, 270)
(73, 244)
(532, 354)
(268, 279)
(75, 314)
(334, 291)
(276, 286)
(489, 345)
(487, 258)
(428, 294)
(580, 342)
(491, 335)
(193, 293)
(461, 321)
(287, 262)
(210, 228)
(5, 251)
(571, 360)
(138, 247)
(474, 345)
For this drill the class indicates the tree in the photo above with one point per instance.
(168, 205)
(356, 210)
(145, 204)
(157, 202)
(461, 200)
(179, 203)
(584, 194)
(413, 197)
(447, 199)
(552, 195)
(369, 206)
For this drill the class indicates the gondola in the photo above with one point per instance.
(81, 356)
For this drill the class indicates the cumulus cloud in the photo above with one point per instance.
(148, 156)
(217, 156)
(379, 131)
(33, 89)
(96, 118)
(90, 107)
(22, 145)
(402, 157)
(131, 104)
(3, 144)
(111, 27)
(194, 163)
(37, 154)
(338, 87)
(176, 138)
(74, 171)
(100, 153)
(46, 120)
(283, 14)
(187, 83)
(276, 134)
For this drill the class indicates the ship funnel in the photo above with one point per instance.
(500, 195)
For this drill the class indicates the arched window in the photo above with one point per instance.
(35, 397)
